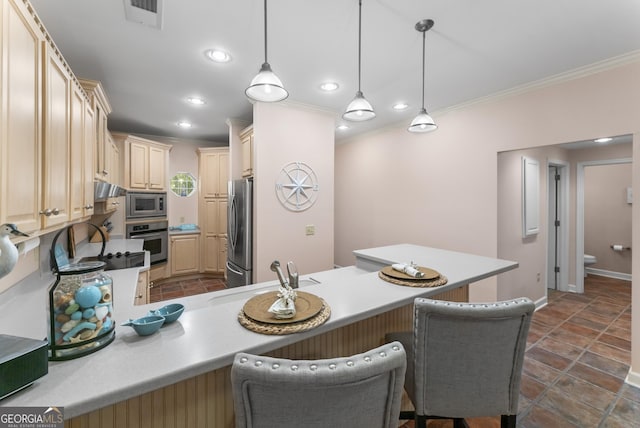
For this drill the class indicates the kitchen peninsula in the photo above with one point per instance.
(180, 375)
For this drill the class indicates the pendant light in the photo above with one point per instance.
(266, 86)
(359, 109)
(423, 122)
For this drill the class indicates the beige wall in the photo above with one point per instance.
(607, 215)
(440, 189)
(286, 133)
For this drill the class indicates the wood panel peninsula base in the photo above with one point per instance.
(179, 377)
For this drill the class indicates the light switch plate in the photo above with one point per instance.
(310, 229)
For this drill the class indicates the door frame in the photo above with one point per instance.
(580, 214)
(563, 236)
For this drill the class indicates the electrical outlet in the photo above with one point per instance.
(538, 277)
(181, 220)
(310, 229)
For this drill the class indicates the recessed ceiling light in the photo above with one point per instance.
(603, 140)
(400, 106)
(329, 86)
(196, 101)
(184, 124)
(217, 55)
(342, 127)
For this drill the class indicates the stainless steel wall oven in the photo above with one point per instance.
(155, 235)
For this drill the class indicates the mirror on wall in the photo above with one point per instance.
(183, 184)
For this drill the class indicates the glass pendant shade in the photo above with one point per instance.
(422, 123)
(359, 109)
(266, 86)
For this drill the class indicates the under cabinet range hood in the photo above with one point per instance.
(104, 191)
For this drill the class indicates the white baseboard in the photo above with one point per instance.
(633, 378)
(541, 302)
(609, 274)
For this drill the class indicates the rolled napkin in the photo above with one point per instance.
(285, 306)
(409, 269)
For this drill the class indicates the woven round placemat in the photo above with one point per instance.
(441, 280)
(294, 327)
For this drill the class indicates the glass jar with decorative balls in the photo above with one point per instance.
(80, 308)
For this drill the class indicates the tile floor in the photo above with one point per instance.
(172, 289)
(578, 354)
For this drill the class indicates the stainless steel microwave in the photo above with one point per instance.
(146, 204)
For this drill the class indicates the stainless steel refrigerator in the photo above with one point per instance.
(239, 233)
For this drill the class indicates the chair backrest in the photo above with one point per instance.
(468, 356)
(363, 390)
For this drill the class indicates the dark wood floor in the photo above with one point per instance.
(578, 354)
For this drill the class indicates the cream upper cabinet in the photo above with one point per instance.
(101, 109)
(246, 138)
(184, 254)
(77, 155)
(145, 162)
(88, 162)
(57, 84)
(214, 172)
(21, 118)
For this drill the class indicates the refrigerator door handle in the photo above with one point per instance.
(233, 226)
(233, 270)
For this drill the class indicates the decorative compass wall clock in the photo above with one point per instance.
(297, 186)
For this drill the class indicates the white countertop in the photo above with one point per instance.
(207, 336)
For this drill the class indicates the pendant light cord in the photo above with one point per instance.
(265, 31)
(423, 66)
(359, 42)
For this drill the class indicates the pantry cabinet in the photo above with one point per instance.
(145, 162)
(184, 254)
(212, 208)
(214, 172)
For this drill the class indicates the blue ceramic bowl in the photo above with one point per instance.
(170, 312)
(146, 325)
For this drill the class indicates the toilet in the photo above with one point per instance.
(588, 261)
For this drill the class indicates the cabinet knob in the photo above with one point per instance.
(55, 211)
(88, 207)
(46, 212)
(139, 296)
(105, 172)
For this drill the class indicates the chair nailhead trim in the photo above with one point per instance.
(367, 359)
(258, 363)
(294, 367)
(350, 363)
(313, 367)
(244, 359)
(275, 366)
(332, 366)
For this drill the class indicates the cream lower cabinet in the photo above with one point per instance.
(142, 289)
(214, 231)
(184, 254)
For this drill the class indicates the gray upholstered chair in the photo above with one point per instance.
(363, 390)
(465, 359)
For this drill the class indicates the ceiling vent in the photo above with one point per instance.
(145, 12)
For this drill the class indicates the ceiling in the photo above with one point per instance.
(475, 48)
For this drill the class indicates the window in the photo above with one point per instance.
(183, 184)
